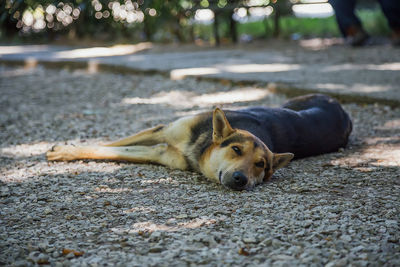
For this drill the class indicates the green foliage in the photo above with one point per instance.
(161, 20)
(98, 19)
(257, 29)
(304, 27)
(374, 22)
(309, 27)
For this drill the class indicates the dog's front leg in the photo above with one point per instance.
(146, 137)
(159, 154)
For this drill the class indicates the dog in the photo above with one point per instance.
(236, 148)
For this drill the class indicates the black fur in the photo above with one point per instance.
(201, 138)
(305, 126)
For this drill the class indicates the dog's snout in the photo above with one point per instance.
(239, 179)
(236, 180)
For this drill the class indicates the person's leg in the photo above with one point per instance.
(349, 24)
(345, 16)
(391, 9)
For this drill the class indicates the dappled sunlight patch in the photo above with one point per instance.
(259, 68)
(241, 95)
(18, 49)
(371, 141)
(190, 99)
(319, 43)
(384, 152)
(116, 50)
(356, 87)
(369, 88)
(394, 66)
(150, 226)
(36, 149)
(179, 74)
(107, 189)
(17, 174)
(390, 125)
(14, 173)
(140, 209)
(331, 86)
(372, 156)
(172, 97)
(26, 150)
(167, 180)
(23, 167)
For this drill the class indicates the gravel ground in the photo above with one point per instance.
(337, 209)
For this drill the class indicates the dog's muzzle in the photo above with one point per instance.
(237, 181)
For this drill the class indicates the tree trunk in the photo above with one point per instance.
(233, 30)
(277, 16)
(216, 33)
(177, 29)
(147, 29)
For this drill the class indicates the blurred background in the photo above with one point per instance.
(209, 22)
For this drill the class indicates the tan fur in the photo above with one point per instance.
(172, 145)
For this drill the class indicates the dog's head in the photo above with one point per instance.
(238, 159)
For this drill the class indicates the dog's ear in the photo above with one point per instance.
(221, 126)
(281, 160)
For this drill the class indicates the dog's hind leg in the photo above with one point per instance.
(146, 137)
(159, 154)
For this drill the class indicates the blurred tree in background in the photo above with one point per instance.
(131, 19)
(152, 20)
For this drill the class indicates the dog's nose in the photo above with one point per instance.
(239, 179)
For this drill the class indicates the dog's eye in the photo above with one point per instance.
(237, 150)
(259, 164)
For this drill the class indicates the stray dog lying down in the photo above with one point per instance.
(238, 149)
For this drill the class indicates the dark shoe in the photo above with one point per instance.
(356, 36)
(396, 37)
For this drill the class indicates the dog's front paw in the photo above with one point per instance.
(62, 153)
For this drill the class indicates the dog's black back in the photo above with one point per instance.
(306, 126)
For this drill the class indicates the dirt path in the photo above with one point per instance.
(336, 209)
